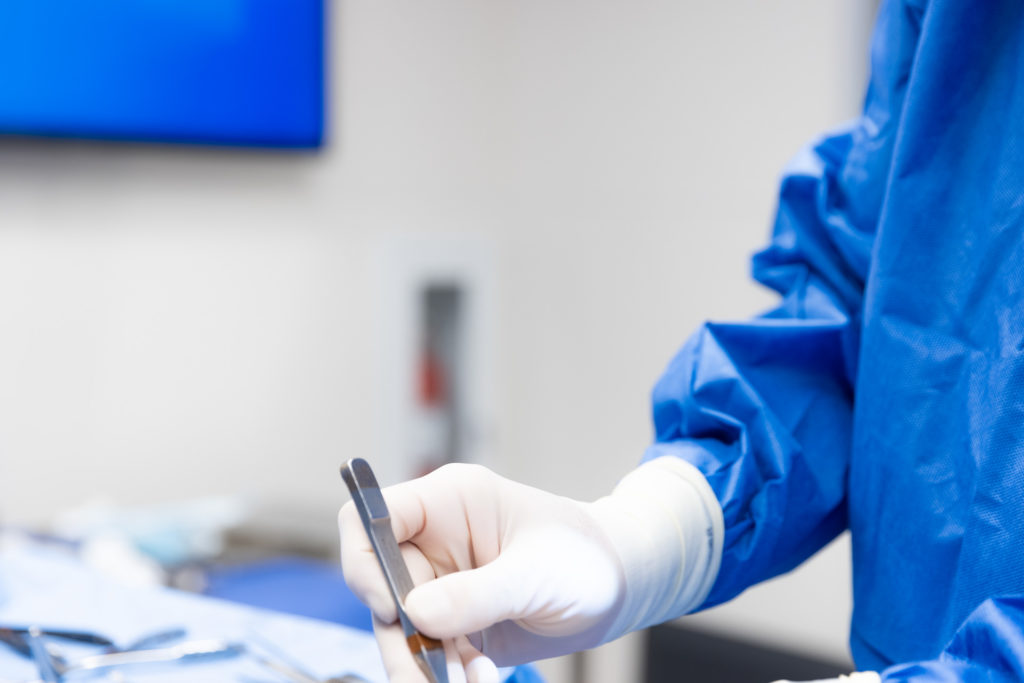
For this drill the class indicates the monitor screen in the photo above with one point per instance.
(232, 72)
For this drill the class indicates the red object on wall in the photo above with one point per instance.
(432, 430)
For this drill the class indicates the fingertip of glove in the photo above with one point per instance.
(430, 609)
(482, 670)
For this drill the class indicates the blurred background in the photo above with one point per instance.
(510, 218)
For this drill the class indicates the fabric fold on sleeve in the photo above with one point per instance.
(763, 408)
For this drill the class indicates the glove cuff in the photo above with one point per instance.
(666, 526)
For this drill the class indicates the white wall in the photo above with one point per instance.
(178, 322)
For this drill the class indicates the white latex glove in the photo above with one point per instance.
(528, 574)
(855, 677)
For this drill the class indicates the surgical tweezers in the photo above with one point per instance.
(428, 652)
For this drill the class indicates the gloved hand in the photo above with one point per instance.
(507, 573)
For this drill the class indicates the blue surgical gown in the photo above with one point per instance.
(885, 393)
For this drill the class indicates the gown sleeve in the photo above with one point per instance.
(764, 408)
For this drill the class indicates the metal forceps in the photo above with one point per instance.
(428, 652)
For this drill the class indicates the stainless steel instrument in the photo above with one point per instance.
(428, 652)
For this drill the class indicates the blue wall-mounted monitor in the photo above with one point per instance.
(231, 72)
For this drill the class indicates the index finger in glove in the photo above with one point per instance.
(435, 505)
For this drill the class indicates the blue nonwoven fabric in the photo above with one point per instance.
(885, 392)
(293, 585)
